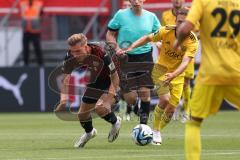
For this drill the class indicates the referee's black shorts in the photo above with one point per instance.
(127, 87)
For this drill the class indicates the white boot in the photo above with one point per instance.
(113, 134)
(80, 143)
(157, 139)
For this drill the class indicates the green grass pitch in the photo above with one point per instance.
(42, 136)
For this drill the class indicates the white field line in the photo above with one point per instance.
(105, 134)
(132, 156)
(149, 149)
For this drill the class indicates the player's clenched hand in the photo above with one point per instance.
(124, 51)
(129, 49)
(120, 51)
(62, 106)
(168, 78)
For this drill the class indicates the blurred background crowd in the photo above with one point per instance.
(58, 20)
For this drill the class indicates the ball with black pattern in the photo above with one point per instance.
(142, 134)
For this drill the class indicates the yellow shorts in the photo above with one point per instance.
(175, 93)
(206, 99)
(189, 71)
(175, 88)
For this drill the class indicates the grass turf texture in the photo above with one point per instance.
(42, 136)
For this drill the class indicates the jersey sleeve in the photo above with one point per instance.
(114, 24)
(191, 44)
(157, 36)
(108, 62)
(156, 24)
(107, 59)
(195, 12)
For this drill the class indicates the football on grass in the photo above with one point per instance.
(142, 134)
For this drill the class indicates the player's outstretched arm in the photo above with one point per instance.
(140, 42)
(186, 60)
(61, 107)
(114, 87)
(111, 36)
(64, 87)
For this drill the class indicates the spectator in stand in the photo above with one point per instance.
(31, 11)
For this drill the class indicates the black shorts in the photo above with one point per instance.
(95, 90)
(135, 80)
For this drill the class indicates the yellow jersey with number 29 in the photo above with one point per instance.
(220, 37)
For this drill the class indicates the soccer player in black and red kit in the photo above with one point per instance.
(100, 94)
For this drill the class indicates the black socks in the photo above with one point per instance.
(87, 125)
(111, 118)
(144, 112)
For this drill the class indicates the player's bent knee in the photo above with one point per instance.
(130, 100)
(144, 94)
(102, 109)
(170, 110)
(145, 98)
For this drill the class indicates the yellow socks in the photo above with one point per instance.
(161, 119)
(164, 120)
(186, 97)
(192, 140)
(158, 112)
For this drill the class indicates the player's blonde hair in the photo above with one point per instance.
(77, 38)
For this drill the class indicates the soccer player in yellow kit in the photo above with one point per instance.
(219, 73)
(169, 18)
(175, 62)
